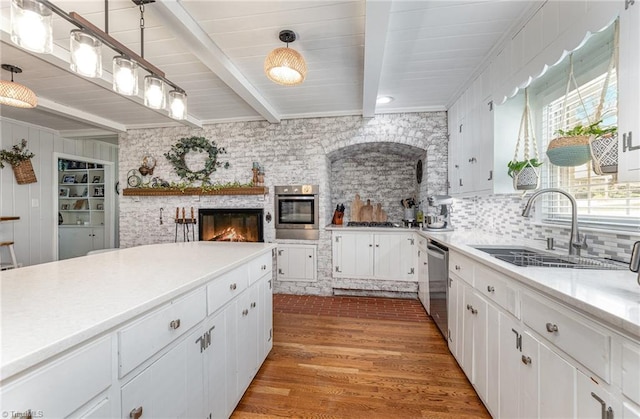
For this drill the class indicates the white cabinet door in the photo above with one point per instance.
(353, 255)
(479, 364)
(482, 159)
(593, 401)
(74, 242)
(557, 385)
(423, 279)
(454, 150)
(164, 388)
(394, 256)
(510, 362)
(232, 323)
(467, 330)
(247, 332)
(492, 398)
(296, 263)
(215, 365)
(454, 315)
(628, 99)
(529, 393)
(265, 317)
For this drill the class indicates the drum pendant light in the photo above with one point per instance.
(285, 65)
(31, 26)
(125, 76)
(15, 94)
(85, 51)
(154, 92)
(177, 104)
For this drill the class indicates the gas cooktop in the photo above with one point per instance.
(370, 224)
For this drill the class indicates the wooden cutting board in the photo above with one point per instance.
(366, 212)
(356, 206)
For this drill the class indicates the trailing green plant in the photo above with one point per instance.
(18, 153)
(593, 129)
(515, 166)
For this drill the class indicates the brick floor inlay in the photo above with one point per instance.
(357, 307)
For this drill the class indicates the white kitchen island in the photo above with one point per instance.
(147, 331)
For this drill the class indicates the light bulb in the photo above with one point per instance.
(177, 104)
(125, 76)
(86, 58)
(154, 92)
(31, 26)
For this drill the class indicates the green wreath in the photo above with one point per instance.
(200, 144)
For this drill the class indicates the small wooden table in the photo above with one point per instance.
(9, 245)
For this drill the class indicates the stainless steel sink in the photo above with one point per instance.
(525, 256)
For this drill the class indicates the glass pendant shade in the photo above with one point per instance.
(177, 104)
(154, 94)
(125, 76)
(285, 66)
(31, 26)
(86, 56)
(17, 95)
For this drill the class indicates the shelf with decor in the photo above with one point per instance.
(249, 190)
(81, 193)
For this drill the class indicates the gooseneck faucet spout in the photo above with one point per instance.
(575, 242)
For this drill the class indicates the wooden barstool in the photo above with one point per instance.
(12, 252)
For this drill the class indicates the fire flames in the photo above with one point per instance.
(229, 234)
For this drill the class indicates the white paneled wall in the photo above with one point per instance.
(34, 233)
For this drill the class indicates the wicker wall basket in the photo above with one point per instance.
(604, 153)
(24, 172)
(569, 151)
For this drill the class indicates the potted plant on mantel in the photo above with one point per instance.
(19, 157)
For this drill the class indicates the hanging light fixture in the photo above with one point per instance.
(285, 65)
(125, 76)
(177, 104)
(86, 56)
(31, 26)
(154, 92)
(16, 94)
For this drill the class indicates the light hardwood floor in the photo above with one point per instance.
(343, 367)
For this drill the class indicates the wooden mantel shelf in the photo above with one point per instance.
(254, 190)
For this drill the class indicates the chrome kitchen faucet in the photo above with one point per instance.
(575, 242)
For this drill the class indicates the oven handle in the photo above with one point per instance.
(436, 252)
(298, 197)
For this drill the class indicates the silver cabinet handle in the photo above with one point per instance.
(551, 328)
(253, 305)
(280, 272)
(233, 286)
(603, 405)
(245, 312)
(263, 267)
(490, 288)
(474, 311)
(370, 245)
(174, 324)
(457, 267)
(526, 360)
(136, 413)
(468, 306)
(609, 413)
(377, 245)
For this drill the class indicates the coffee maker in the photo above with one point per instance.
(439, 219)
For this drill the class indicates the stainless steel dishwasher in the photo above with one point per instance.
(438, 264)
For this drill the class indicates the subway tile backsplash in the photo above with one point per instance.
(500, 214)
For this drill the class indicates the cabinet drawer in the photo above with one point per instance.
(153, 332)
(259, 267)
(497, 288)
(223, 289)
(631, 371)
(582, 341)
(62, 386)
(461, 266)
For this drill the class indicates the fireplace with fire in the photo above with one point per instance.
(230, 224)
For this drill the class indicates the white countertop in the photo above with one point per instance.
(51, 307)
(610, 296)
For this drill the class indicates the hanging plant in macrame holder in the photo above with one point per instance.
(525, 171)
(604, 145)
(571, 147)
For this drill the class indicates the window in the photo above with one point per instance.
(601, 200)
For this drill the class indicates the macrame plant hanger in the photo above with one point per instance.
(528, 177)
(604, 149)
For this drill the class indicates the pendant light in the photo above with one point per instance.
(177, 104)
(285, 65)
(125, 76)
(86, 56)
(16, 94)
(154, 92)
(31, 26)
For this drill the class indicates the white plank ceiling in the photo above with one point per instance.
(419, 52)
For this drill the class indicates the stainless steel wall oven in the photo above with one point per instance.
(297, 212)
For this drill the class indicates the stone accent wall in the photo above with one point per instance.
(292, 152)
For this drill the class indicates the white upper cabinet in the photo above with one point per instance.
(629, 95)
